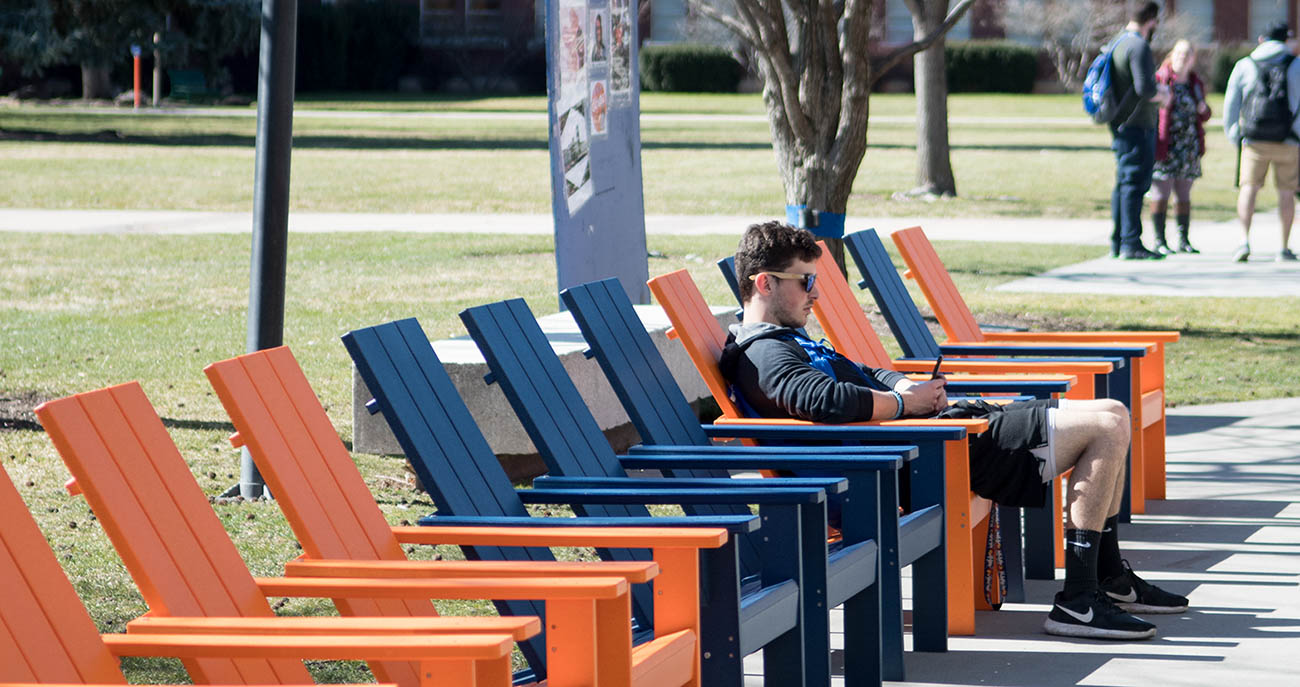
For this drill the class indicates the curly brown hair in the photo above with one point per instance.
(771, 246)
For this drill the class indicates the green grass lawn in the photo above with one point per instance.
(412, 163)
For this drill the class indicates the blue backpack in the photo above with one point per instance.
(1099, 99)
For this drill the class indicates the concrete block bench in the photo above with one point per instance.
(465, 365)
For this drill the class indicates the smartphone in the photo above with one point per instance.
(934, 374)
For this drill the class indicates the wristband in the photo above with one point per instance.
(897, 397)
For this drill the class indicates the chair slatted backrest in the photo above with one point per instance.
(696, 327)
(539, 390)
(160, 521)
(887, 287)
(937, 285)
(310, 472)
(552, 410)
(46, 635)
(842, 319)
(632, 364)
(727, 266)
(442, 442)
(430, 421)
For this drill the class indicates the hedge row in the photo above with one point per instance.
(689, 68)
(356, 46)
(990, 67)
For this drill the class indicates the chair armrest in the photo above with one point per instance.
(867, 453)
(641, 533)
(1089, 366)
(830, 485)
(450, 588)
(518, 627)
(634, 572)
(901, 431)
(838, 464)
(672, 496)
(372, 647)
(1057, 351)
(1026, 387)
(1161, 337)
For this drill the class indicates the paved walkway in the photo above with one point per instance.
(1209, 274)
(1228, 536)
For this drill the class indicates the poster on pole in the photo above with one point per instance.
(595, 141)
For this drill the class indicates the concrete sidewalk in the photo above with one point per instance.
(1209, 274)
(1228, 536)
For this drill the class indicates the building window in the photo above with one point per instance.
(1198, 17)
(1263, 13)
(898, 24)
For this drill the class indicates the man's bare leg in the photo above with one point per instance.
(1245, 212)
(1093, 437)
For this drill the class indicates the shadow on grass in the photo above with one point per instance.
(115, 136)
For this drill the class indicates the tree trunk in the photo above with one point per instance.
(95, 82)
(933, 166)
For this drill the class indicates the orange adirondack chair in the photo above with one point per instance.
(186, 566)
(343, 532)
(959, 324)
(965, 513)
(47, 637)
(847, 328)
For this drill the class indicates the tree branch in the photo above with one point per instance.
(879, 67)
(745, 33)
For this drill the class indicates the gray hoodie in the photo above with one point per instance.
(776, 377)
(1242, 80)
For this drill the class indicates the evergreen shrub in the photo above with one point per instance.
(984, 66)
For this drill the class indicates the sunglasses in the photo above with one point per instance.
(808, 279)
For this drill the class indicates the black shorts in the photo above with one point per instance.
(1002, 467)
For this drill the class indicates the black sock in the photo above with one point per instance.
(1109, 562)
(1081, 549)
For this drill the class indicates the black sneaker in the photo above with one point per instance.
(1092, 615)
(1136, 595)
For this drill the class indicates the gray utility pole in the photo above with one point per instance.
(275, 79)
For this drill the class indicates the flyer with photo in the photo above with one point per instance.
(575, 154)
(599, 26)
(620, 69)
(599, 109)
(572, 48)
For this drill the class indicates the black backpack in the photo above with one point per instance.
(1266, 108)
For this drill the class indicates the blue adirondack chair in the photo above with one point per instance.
(662, 415)
(571, 442)
(1035, 558)
(453, 460)
(908, 326)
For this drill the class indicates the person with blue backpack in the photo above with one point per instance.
(777, 371)
(1133, 129)
(1259, 116)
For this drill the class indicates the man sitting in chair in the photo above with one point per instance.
(776, 371)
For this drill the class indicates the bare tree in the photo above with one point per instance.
(817, 71)
(933, 162)
(1074, 31)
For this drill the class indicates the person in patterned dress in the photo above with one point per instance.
(1180, 144)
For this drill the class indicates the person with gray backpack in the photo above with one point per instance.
(1259, 116)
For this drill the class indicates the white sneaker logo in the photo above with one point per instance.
(1128, 598)
(1081, 544)
(1084, 618)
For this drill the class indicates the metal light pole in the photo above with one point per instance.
(275, 79)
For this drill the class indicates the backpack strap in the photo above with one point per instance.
(1132, 87)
